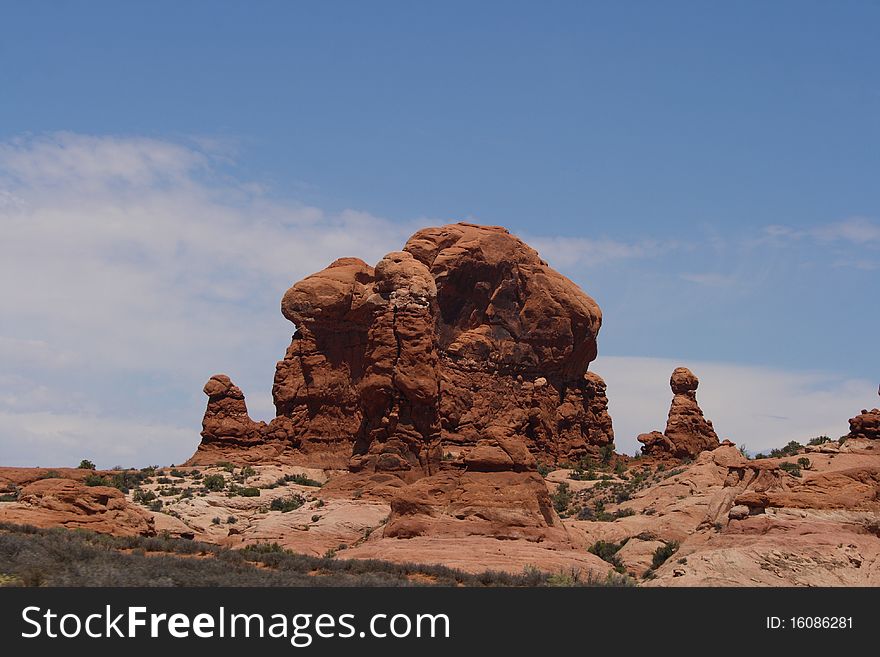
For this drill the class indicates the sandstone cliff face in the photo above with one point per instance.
(464, 335)
(688, 432)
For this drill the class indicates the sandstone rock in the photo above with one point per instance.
(226, 417)
(71, 504)
(466, 333)
(687, 432)
(865, 425)
(738, 512)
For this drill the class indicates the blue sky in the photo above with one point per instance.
(708, 173)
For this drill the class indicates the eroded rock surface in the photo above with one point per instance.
(71, 504)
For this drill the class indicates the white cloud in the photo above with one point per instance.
(570, 252)
(63, 439)
(856, 230)
(756, 406)
(132, 269)
(859, 231)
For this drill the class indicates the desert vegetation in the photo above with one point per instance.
(61, 557)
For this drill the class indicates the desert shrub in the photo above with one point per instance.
(231, 520)
(586, 513)
(50, 474)
(791, 449)
(606, 453)
(214, 482)
(581, 474)
(247, 471)
(215, 520)
(143, 496)
(8, 497)
(126, 480)
(85, 464)
(819, 440)
(543, 469)
(60, 557)
(155, 506)
(805, 463)
(163, 480)
(303, 480)
(246, 491)
(791, 468)
(285, 504)
(561, 498)
(607, 551)
(177, 473)
(316, 518)
(95, 480)
(661, 554)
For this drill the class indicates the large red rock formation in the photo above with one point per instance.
(465, 334)
(688, 432)
(866, 424)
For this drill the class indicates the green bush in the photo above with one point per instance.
(214, 482)
(819, 440)
(607, 551)
(95, 480)
(302, 480)
(143, 496)
(805, 463)
(791, 468)
(50, 474)
(661, 554)
(561, 498)
(248, 491)
(285, 504)
(791, 449)
(85, 464)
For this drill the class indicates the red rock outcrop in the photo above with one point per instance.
(465, 334)
(865, 425)
(71, 504)
(688, 432)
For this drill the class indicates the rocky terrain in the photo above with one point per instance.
(438, 408)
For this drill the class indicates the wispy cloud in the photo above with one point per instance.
(859, 231)
(568, 252)
(711, 279)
